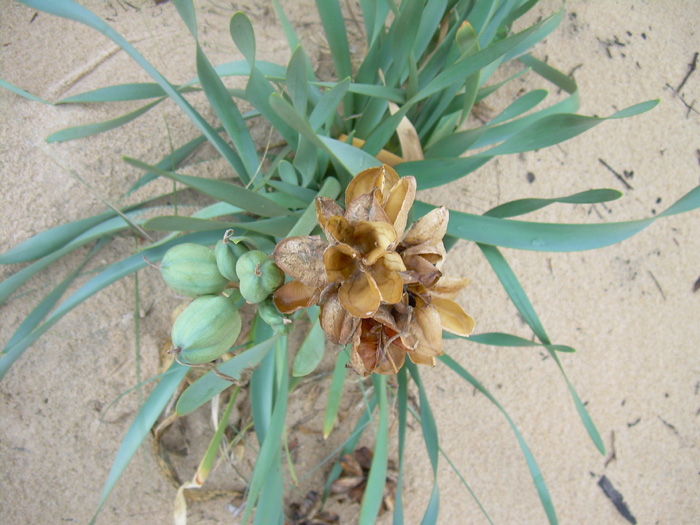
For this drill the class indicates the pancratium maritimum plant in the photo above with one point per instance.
(379, 285)
(364, 275)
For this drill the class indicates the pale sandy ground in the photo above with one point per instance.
(628, 309)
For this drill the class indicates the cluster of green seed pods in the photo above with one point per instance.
(209, 326)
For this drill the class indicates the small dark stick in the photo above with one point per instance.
(691, 67)
(616, 498)
(619, 177)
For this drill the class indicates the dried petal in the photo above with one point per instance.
(449, 287)
(360, 295)
(428, 331)
(350, 465)
(294, 295)
(336, 322)
(325, 209)
(343, 485)
(366, 207)
(399, 202)
(302, 259)
(430, 228)
(388, 279)
(373, 237)
(364, 456)
(339, 230)
(340, 262)
(421, 270)
(452, 317)
(392, 361)
(364, 182)
(364, 356)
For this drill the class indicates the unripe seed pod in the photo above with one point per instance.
(206, 329)
(190, 269)
(239, 248)
(269, 313)
(259, 276)
(226, 261)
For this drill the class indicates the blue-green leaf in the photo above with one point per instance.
(374, 491)
(311, 350)
(22, 93)
(207, 386)
(535, 472)
(141, 426)
(224, 191)
(523, 206)
(552, 237)
(335, 392)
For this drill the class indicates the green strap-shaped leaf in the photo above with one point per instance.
(462, 69)
(334, 28)
(559, 128)
(207, 386)
(297, 81)
(326, 109)
(236, 195)
(22, 93)
(335, 392)
(105, 228)
(552, 237)
(430, 436)
(48, 302)
(94, 285)
(52, 239)
(293, 38)
(169, 162)
(220, 99)
(376, 480)
(270, 455)
(87, 130)
(402, 411)
(185, 9)
(523, 206)
(501, 339)
(350, 443)
(122, 93)
(348, 156)
(258, 89)
(311, 350)
(276, 227)
(431, 173)
(229, 115)
(371, 90)
(535, 472)
(520, 105)
(303, 194)
(141, 426)
(519, 298)
(428, 25)
(73, 11)
(179, 223)
(403, 36)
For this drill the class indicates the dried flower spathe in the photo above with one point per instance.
(379, 286)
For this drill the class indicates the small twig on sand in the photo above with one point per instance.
(619, 177)
(656, 282)
(691, 67)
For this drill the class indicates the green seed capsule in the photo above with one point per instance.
(226, 261)
(269, 313)
(259, 276)
(190, 269)
(206, 329)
